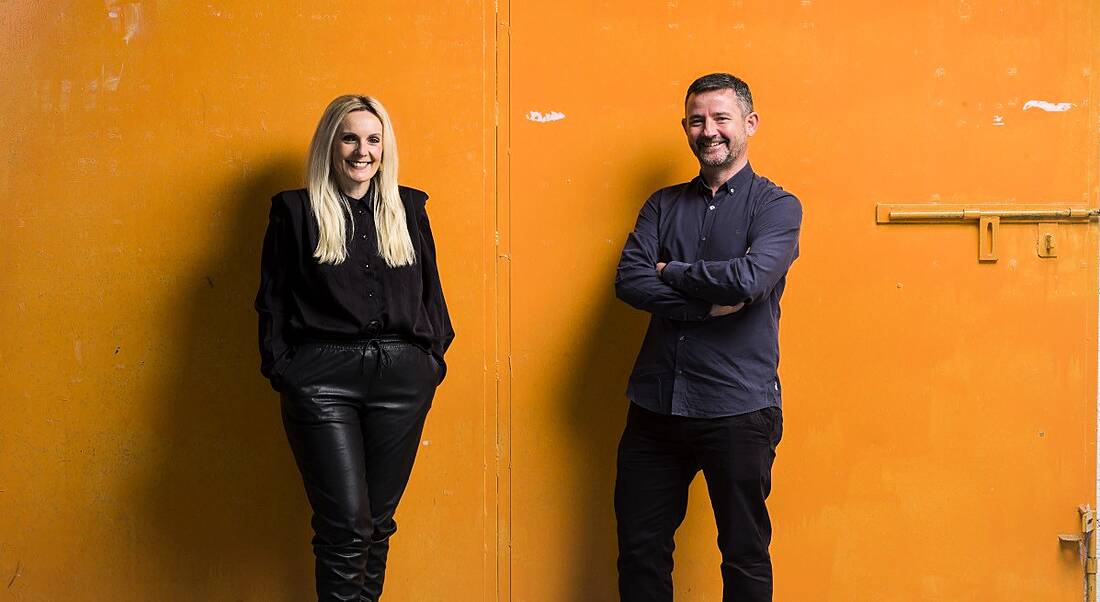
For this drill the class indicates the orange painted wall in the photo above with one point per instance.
(940, 413)
(141, 454)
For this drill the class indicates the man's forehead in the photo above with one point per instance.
(716, 101)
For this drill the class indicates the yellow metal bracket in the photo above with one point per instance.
(989, 219)
(1086, 548)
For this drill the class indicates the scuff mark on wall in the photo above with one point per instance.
(998, 120)
(1049, 107)
(92, 89)
(545, 117)
(132, 20)
(126, 18)
(18, 573)
(111, 80)
(63, 99)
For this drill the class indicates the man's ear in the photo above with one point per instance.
(684, 124)
(751, 123)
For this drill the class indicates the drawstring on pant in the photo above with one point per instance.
(364, 347)
(383, 356)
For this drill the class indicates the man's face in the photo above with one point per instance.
(716, 129)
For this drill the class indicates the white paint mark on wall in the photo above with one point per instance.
(965, 10)
(998, 120)
(1049, 107)
(111, 80)
(63, 98)
(92, 88)
(545, 117)
(78, 351)
(132, 21)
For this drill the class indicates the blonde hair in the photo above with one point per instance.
(331, 208)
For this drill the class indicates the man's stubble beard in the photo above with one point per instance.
(734, 151)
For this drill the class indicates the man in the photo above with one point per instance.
(708, 259)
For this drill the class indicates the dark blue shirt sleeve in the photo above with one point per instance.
(636, 280)
(773, 245)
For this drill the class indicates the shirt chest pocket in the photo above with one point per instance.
(724, 242)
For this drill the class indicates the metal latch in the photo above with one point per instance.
(990, 218)
(1086, 548)
(1046, 239)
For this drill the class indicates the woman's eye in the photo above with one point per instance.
(374, 140)
(349, 139)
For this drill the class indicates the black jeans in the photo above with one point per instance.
(354, 414)
(659, 456)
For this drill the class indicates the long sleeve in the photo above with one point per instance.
(434, 302)
(271, 298)
(773, 245)
(636, 280)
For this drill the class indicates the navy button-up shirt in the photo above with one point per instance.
(723, 249)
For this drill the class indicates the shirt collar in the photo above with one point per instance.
(739, 181)
(366, 199)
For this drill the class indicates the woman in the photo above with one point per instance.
(353, 328)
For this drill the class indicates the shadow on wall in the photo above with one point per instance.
(223, 507)
(595, 404)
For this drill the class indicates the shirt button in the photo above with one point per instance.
(703, 238)
(681, 338)
(679, 371)
(711, 208)
(370, 294)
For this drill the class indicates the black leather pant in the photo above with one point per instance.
(354, 414)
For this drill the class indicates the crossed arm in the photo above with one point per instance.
(704, 289)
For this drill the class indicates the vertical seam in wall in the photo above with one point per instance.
(502, 299)
(1094, 193)
(1093, 237)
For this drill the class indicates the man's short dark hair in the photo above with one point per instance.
(722, 81)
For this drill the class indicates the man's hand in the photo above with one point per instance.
(717, 311)
(660, 268)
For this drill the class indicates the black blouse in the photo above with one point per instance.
(359, 299)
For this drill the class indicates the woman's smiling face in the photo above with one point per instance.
(357, 152)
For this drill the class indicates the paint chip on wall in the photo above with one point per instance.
(545, 117)
(1049, 107)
